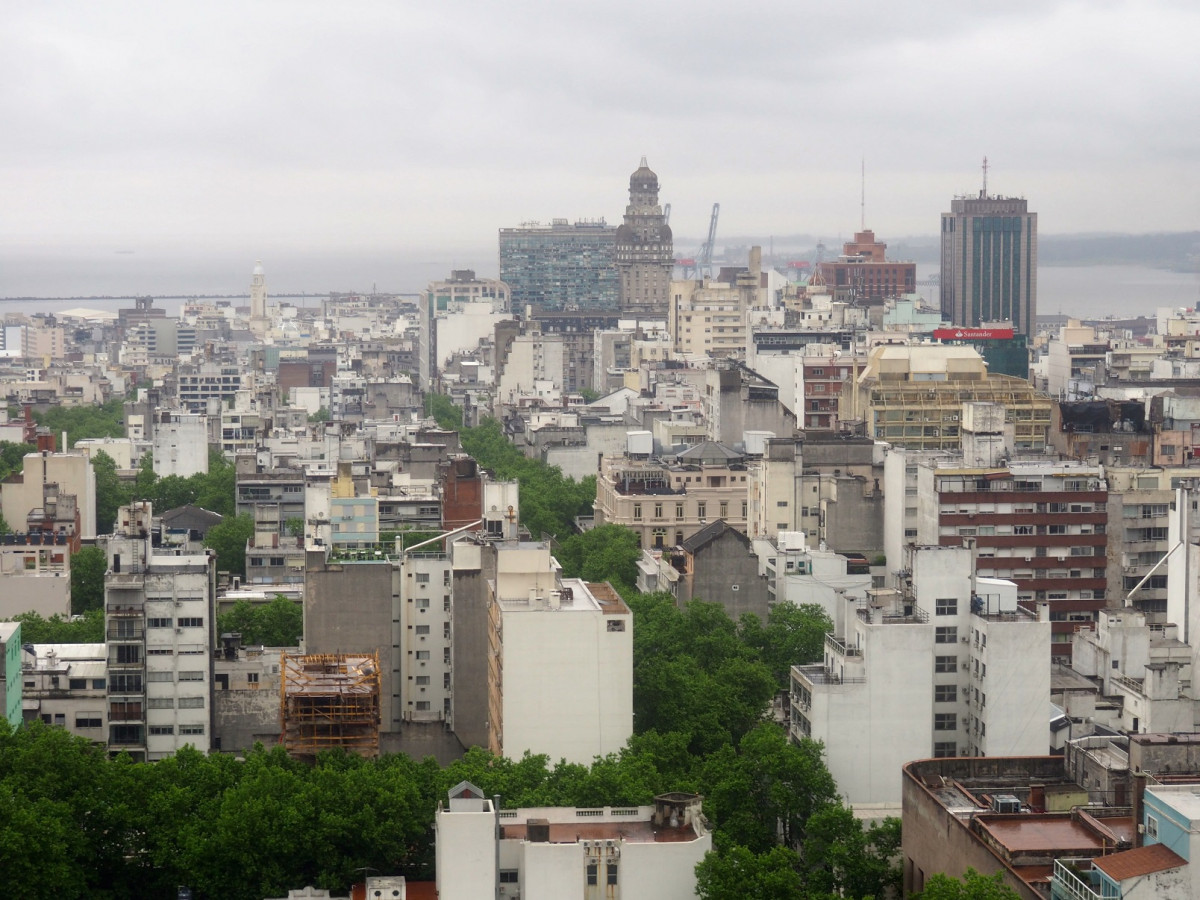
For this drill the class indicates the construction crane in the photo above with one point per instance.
(667, 213)
(701, 265)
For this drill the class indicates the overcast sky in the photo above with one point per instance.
(260, 125)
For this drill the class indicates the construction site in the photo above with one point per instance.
(329, 701)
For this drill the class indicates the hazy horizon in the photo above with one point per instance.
(276, 128)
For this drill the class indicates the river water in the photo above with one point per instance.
(59, 282)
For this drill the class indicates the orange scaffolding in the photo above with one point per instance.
(328, 701)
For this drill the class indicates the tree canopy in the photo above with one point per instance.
(87, 579)
(85, 422)
(228, 540)
(279, 623)
(87, 628)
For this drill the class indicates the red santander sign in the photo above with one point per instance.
(973, 334)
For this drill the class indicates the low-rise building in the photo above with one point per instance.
(557, 853)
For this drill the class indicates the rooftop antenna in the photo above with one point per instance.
(983, 195)
(863, 200)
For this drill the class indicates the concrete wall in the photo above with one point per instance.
(474, 565)
(725, 572)
(348, 609)
(568, 682)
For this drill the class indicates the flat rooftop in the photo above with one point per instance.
(640, 831)
(1184, 798)
(1057, 834)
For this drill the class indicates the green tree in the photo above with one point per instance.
(972, 886)
(111, 492)
(605, 553)
(87, 628)
(321, 415)
(87, 579)
(738, 874)
(794, 636)
(12, 457)
(764, 792)
(840, 857)
(693, 673)
(279, 623)
(294, 526)
(85, 422)
(444, 411)
(228, 539)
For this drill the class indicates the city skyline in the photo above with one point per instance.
(239, 126)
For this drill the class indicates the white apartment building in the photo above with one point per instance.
(158, 625)
(561, 853)
(64, 685)
(180, 444)
(560, 679)
(906, 676)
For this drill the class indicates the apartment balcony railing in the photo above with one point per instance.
(840, 647)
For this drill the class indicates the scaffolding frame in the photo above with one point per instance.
(329, 701)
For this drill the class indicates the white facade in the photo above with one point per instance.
(180, 444)
(563, 683)
(906, 676)
(158, 623)
(557, 853)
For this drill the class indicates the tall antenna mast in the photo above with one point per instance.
(983, 196)
(863, 200)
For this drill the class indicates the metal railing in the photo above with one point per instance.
(840, 647)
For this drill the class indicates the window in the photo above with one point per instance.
(612, 873)
(593, 870)
(190, 676)
(191, 703)
(162, 729)
(658, 510)
(702, 509)
(422, 629)
(127, 654)
(157, 676)
(422, 706)
(944, 749)
(159, 623)
(945, 721)
(422, 578)
(78, 684)
(679, 510)
(252, 678)
(191, 622)
(943, 693)
(945, 664)
(616, 624)
(191, 729)
(945, 634)
(637, 512)
(946, 606)
(98, 684)
(508, 876)
(422, 654)
(87, 720)
(422, 680)
(422, 603)
(1151, 827)
(160, 703)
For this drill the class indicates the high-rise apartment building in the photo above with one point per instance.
(645, 251)
(560, 265)
(989, 262)
(158, 625)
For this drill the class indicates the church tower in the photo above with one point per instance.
(258, 300)
(645, 254)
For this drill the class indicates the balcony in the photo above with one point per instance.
(1071, 881)
(834, 645)
(817, 674)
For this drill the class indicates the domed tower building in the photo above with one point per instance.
(645, 251)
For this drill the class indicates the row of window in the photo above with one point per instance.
(680, 510)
